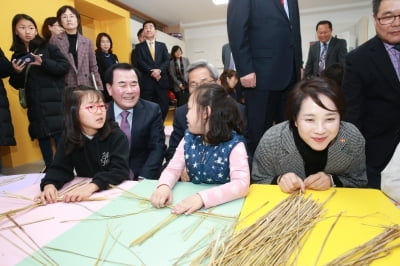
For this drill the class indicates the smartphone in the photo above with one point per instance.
(28, 58)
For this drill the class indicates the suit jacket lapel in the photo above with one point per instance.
(81, 49)
(282, 9)
(381, 58)
(65, 48)
(137, 120)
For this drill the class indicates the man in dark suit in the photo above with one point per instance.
(152, 60)
(326, 51)
(264, 37)
(147, 138)
(372, 89)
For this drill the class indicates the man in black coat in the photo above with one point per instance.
(336, 50)
(154, 71)
(264, 37)
(372, 89)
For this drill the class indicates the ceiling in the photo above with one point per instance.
(181, 12)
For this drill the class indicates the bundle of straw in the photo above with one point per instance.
(371, 250)
(273, 238)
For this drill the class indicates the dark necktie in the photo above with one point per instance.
(397, 47)
(125, 125)
(127, 130)
(322, 58)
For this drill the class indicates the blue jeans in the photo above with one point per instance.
(46, 149)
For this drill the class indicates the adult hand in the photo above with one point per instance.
(318, 181)
(188, 205)
(156, 74)
(49, 195)
(161, 197)
(249, 81)
(291, 182)
(81, 194)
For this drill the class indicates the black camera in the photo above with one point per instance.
(28, 58)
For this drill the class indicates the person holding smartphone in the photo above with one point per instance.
(39, 67)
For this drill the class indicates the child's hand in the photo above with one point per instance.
(188, 205)
(49, 195)
(81, 194)
(161, 197)
(184, 175)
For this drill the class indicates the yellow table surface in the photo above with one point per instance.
(364, 211)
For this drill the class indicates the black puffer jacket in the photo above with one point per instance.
(6, 127)
(43, 91)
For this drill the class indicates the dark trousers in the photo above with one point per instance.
(374, 177)
(157, 95)
(263, 109)
(47, 150)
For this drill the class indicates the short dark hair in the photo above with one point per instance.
(313, 88)
(71, 103)
(140, 31)
(45, 27)
(334, 72)
(98, 41)
(109, 75)
(225, 115)
(63, 9)
(323, 22)
(149, 22)
(376, 4)
(17, 45)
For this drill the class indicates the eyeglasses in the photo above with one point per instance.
(94, 107)
(387, 20)
(195, 85)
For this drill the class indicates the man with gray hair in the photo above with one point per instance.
(199, 72)
(372, 89)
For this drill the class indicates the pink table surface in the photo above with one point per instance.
(62, 217)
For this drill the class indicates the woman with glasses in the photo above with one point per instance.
(91, 145)
(42, 76)
(77, 49)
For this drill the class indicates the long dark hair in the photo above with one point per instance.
(45, 28)
(18, 45)
(72, 100)
(225, 115)
(228, 73)
(173, 51)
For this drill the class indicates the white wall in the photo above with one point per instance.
(205, 41)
